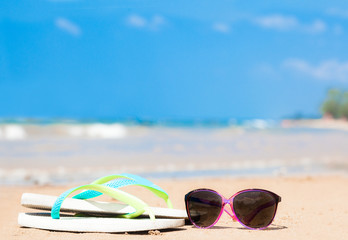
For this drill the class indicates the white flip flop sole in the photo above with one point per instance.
(95, 224)
(45, 202)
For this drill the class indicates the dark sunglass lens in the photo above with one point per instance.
(203, 207)
(255, 209)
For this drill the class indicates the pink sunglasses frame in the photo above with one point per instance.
(230, 202)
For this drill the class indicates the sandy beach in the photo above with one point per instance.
(311, 208)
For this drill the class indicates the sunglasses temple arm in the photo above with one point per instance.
(231, 215)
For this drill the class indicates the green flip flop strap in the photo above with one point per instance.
(121, 180)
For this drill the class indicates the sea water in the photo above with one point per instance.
(63, 152)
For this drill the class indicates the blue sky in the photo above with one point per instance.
(170, 59)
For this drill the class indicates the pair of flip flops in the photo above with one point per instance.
(96, 216)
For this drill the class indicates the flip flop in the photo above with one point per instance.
(70, 223)
(106, 185)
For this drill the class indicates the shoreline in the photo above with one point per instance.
(63, 176)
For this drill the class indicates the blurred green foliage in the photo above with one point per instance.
(336, 104)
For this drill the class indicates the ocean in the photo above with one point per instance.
(61, 152)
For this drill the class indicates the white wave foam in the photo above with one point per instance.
(106, 131)
(76, 131)
(112, 131)
(12, 132)
(259, 124)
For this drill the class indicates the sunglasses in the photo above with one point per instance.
(253, 208)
